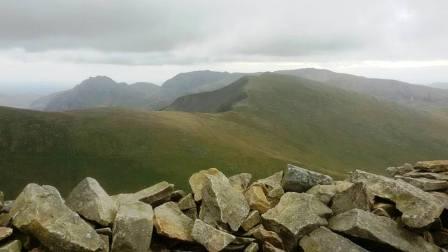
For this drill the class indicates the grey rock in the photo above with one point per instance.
(326, 192)
(209, 237)
(263, 235)
(106, 242)
(400, 170)
(240, 181)
(442, 197)
(432, 166)
(198, 180)
(428, 175)
(251, 220)
(356, 196)
(419, 208)
(5, 232)
(153, 195)
(268, 247)
(297, 179)
(132, 229)
(13, 246)
(90, 200)
(192, 213)
(187, 202)
(272, 185)
(253, 247)
(294, 216)
(425, 184)
(221, 203)
(323, 240)
(366, 225)
(41, 212)
(171, 222)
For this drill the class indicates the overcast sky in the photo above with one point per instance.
(53, 41)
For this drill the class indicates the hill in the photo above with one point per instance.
(442, 85)
(265, 122)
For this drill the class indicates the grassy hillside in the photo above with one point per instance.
(282, 119)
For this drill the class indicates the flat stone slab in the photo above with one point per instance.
(298, 179)
(211, 238)
(324, 240)
(425, 184)
(156, 194)
(171, 222)
(432, 166)
(326, 192)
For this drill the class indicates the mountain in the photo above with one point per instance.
(416, 96)
(442, 85)
(257, 125)
(101, 91)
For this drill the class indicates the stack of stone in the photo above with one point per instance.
(293, 210)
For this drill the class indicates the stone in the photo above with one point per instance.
(297, 179)
(425, 184)
(251, 220)
(187, 202)
(354, 197)
(294, 216)
(257, 199)
(198, 180)
(192, 213)
(240, 181)
(132, 228)
(177, 195)
(432, 166)
(268, 247)
(362, 224)
(326, 192)
(263, 235)
(442, 197)
(272, 185)
(428, 175)
(322, 240)
(13, 246)
(153, 195)
(40, 211)
(7, 206)
(253, 247)
(400, 170)
(385, 209)
(221, 203)
(106, 241)
(240, 243)
(418, 208)
(5, 219)
(104, 231)
(90, 200)
(169, 221)
(209, 237)
(5, 232)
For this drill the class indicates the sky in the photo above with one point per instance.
(53, 42)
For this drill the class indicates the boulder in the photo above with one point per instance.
(323, 240)
(187, 202)
(400, 170)
(106, 242)
(5, 232)
(362, 224)
(354, 197)
(251, 220)
(432, 166)
(257, 199)
(40, 211)
(326, 192)
(221, 203)
(419, 208)
(153, 195)
(272, 185)
(297, 179)
(13, 246)
(240, 181)
(263, 235)
(132, 228)
(294, 216)
(268, 247)
(209, 237)
(253, 247)
(90, 200)
(5, 219)
(428, 175)
(171, 222)
(192, 213)
(426, 184)
(177, 195)
(198, 180)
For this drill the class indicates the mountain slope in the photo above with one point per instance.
(280, 119)
(442, 85)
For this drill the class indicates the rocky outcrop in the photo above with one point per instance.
(292, 210)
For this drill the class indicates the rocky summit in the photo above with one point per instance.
(295, 209)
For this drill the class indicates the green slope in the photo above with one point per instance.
(276, 119)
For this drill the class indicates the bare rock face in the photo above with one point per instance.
(13, 246)
(132, 228)
(153, 195)
(326, 192)
(323, 240)
(356, 196)
(419, 208)
(211, 238)
(366, 225)
(432, 166)
(40, 211)
(425, 184)
(90, 200)
(240, 181)
(171, 222)
(222, 203)
(294, 216)
(297, 179)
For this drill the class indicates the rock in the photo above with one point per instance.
(153, 195)
(297, 179)
(294, 216)
(198, 180)
(211, 238)
(400, 170)
(239, 244)
(323, 240)
(5, 219)
(132, 229)
(385, 209)
(326, 192)
(106, 242)
(432, 166)
(366, 225)
(263, 235)
(105, 231)
(171, 222)
(187, 202)
(442, 197)
(272, 185)
(13, 246)
(177, 195)
(240, 181)
(41, 212)
(251, 220)
(5, 232)
(253, 247)
(90, 200)
(257, 199)
(428, 175)
(441, 237)
(221, 203)
(425, 184)
(354, 197)
(7, 206)
(192, 213)
(419, 208)
(267, 247)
